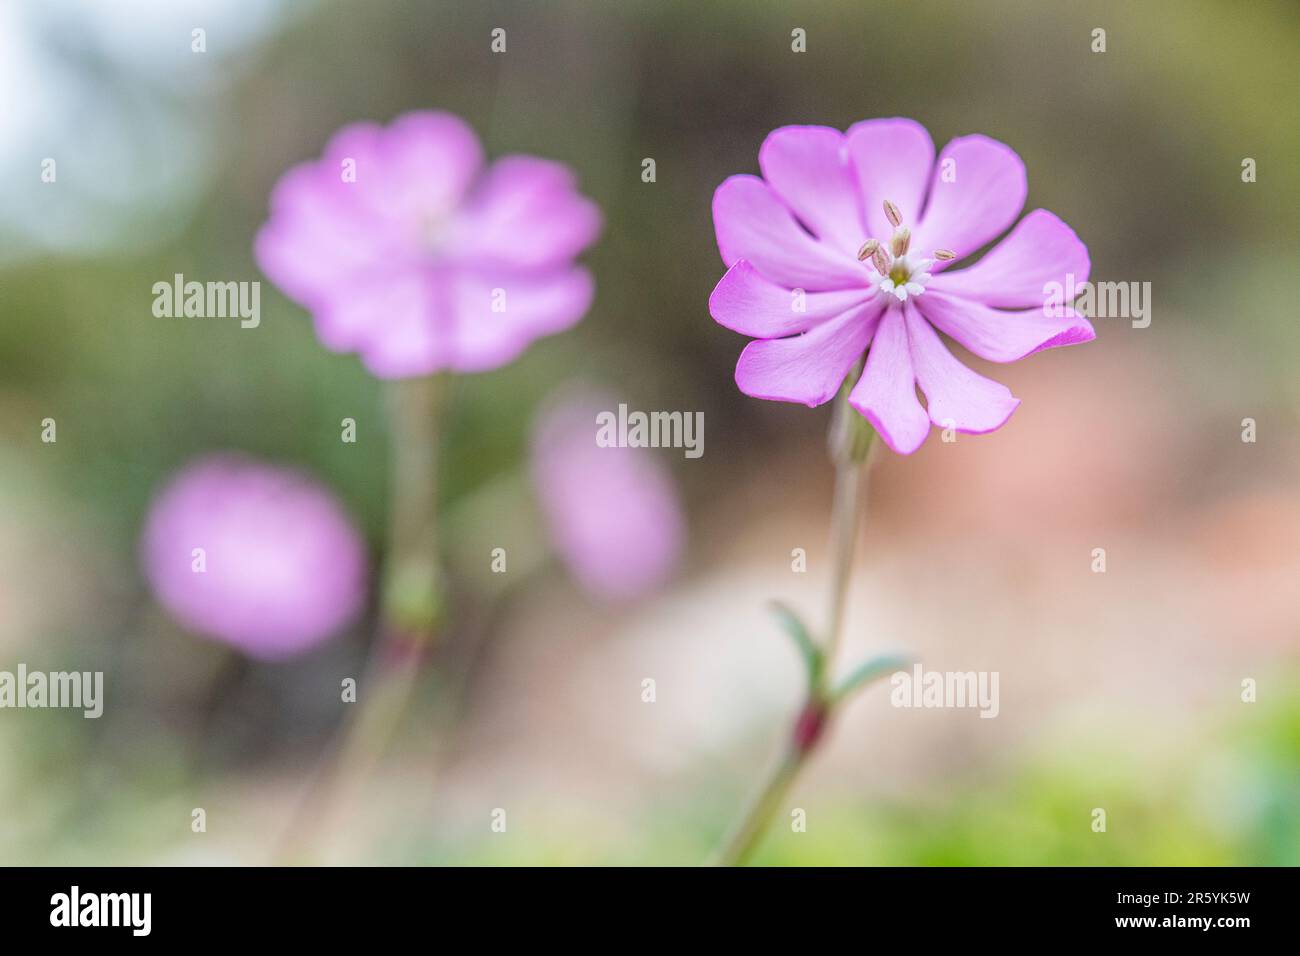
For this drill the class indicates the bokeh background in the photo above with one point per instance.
(1119, 690)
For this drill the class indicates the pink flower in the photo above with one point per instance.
(612, 513)
(410, 253)
(257, 556)
(805, 279)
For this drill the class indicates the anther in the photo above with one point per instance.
(893, 215)
(880, 259)
(902, 241)
(944, 254)
(868, 249)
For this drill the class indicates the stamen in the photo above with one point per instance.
(901, 277)
(902, 240)
(880, 259)
(893, 215)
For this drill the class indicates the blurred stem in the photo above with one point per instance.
(747, 833)
(411, 607)
(851, 442)
(412, 588)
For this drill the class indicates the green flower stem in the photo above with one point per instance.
(412, 603)
(412, 608)
(742, 840)
(846, 521)
(851, 443)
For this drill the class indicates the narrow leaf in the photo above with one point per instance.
(869, 671)
(807, 647)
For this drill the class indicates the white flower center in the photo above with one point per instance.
(906, 277)
(897, 273)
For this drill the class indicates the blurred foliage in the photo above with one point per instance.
(1217, 805)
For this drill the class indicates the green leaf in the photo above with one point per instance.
(807, 647)
(869, 671)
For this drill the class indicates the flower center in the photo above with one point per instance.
(432, 233)
(898, 276)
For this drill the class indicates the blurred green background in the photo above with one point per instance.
(1120, 691)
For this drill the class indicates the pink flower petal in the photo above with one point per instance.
(1003, 336)
(372, 237)
(614, 514)
(397, 326)
(886, 393)
(752, 223)
(892, 159)
(986, 192)
(316, 237)
(283, 568)
(530, 307)
(955, 396)
(528, 214)
(359, 149)
(807, 368)
(1015, 273)
(807, 167)
(429, 159)
(388, 315)
(745, 302)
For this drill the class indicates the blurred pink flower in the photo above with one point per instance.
(281, 566)
(792, 242)
(613, 513)
(410, 253)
